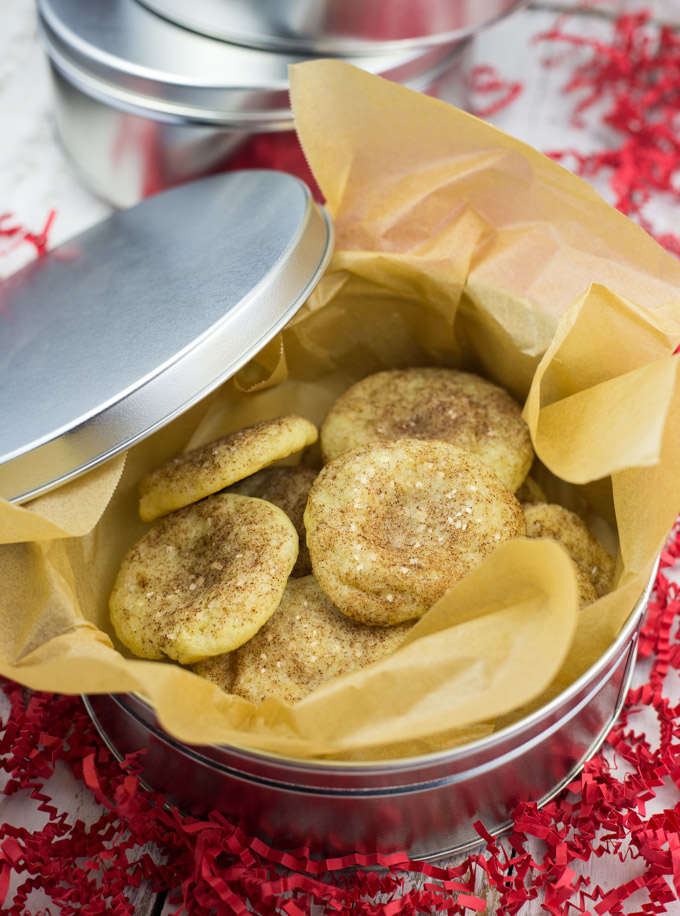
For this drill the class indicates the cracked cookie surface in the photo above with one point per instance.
(287, 488)
(212, 467)
(203, 580)
(306, 643)
(393, 525)
(456, 407)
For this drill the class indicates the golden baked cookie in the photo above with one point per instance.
(306, 643)
(287, 488)
(548, 520)
(456, 407)
(393, 525)
(587, 593)
(220, 669)
(531, 492)
(204, 580)
(215, 465)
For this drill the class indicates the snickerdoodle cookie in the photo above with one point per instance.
(548, 520)
(203, 580)
(445, 404)
(287, 488)
(215, 465)
(393, 525)
(304, 644)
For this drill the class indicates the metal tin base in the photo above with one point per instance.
(124, 154)
(97, 706)
(425, 806)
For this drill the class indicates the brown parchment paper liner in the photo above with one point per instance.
(456, 245)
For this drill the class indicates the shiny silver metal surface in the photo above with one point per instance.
(148, 312)
(424, 805)
(123, 54)
(142, 105)
(336, 27)
(123, 156)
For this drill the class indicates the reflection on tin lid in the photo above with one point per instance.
(111, 335)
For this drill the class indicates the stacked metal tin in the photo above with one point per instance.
(149, 96)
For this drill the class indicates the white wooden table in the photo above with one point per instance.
(34, 179)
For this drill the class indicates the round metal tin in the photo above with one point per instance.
(142, 105)
(122, 53)
(111, 335)
(336, 27)
(426, 806)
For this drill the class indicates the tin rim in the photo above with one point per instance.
(197, 18)
(405, 764)
(258, 120)
(160, 110)
(248, 90)
(498, 831)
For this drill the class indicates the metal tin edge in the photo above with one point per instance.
(328, 47)
(152, 388)
(172, 111)
(412, 763)
(159, 109)
(498, 831)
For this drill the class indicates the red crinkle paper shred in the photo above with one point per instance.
(13, 234)
(632, 84)
(485, 82)
(209, 866)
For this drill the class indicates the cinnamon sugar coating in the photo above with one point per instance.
(393, 525)
(306, 643)
(587, 593)
(212, 467)
(220, 669)
(203, 580)
(287, 488)
(446, 404)
(549, 520)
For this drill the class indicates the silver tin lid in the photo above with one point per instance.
(125, 55)
(336, 27)
(114, 333)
